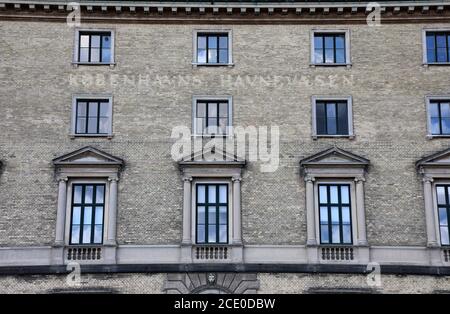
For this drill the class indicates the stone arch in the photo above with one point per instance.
(230, 283)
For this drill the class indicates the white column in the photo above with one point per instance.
(187, 203)
(429, 212)
(112, 219)
(310, 217)
(237, 225)
(360, 212)
(61, 213)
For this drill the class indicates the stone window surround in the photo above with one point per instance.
(73, 118)
(212, 31)
(197, 98)
(75, 61)
(347, 33)
(424, 44)
(428, 100)
(349, 100)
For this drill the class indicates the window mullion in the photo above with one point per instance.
(440, 118)
(217, 215)
(100, 52)
(89, 50)
(330, 223)
(207, 48)
(341, 227)
(98, 117)
(94, 192)
(80, 239)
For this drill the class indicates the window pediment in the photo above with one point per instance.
(214, 157)
(87, 156)
(334, 157)
(439, 159)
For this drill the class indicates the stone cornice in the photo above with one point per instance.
(228, 12)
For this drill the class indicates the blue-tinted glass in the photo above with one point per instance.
(340, 55)
(84, 55)
(98, 215)
(99, 194)
(441, 55)
(329, 55)
(98, 234)
(223, 42)
(93, 106)
(430, 42)
(87, 234)
(323, 215)
(87, 218)
(212, 234)
(106, 42)
(445, 125)
(435, 129)
(335, 234)
(342, 118)
(212, 214)
(81, 125)
(440, 191)
(95, 41)
(223, 194)
(320, 118)
(201, 234)
(223, 234)
(443, 221)
(444, 236)
(106, 55)
(340, 41)
(346, 234)
(318, 56)
(201, 215)
(95, 55)
(345, 197)
(318, 42)
(201, 42)
(441, 41)
(445, 110)
(346, 215)
(77, 194)
(323, 194)
(329, 42)
(212, 55)
(211, 194)
(200, 194)
(76, 216)
(223, 215)
(335, 215)
(88, 194)
(212, 42)
(324, 236)
(223, 56)
(75, 239)
(331, 110)
(92, 125)
(81, 109)
(201, 56)
(434, 110)
(84, 41)
(431, 55)
(331, 126)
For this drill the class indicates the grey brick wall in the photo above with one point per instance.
(271, 84)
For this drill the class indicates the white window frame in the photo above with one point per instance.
(424, 45)
(229, 32)
(93, 30)
(346, 32)
(428, 100)
(194, 209)
(77, 97)
(197, 98)
(349, 100)
(438, 181)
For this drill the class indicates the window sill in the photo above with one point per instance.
(350, 137)
(313, 65)
(108, 136)
(430, 137)
(211, 136)
(111, 64)
(436, 64)
(194, 64)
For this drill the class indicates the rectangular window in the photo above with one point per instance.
(94, 47)
(335, 214)
(329, 48)
(212, 117)
(212, 213)
(212, 48)
(437, 47)
(88, 204)
(439, 117)
(93, 116)
(332, 118)
(443, 203)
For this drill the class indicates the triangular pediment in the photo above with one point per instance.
(87, 156)
(213, 156)
(334, 157)
(441, 158)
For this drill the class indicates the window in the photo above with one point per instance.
(92, 116)
(443, 203)
(437, 47)
(88, 203)
(94, 47)
(439, 117)
(330, 47)
(212, 213)
(335, 214)
(332, 116)
(212, 116)
(212, 48)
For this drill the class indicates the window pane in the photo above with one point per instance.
(212, 56)
(99, 215)
(104, 109)
(318, 55)
(346, 215)
(323, 215)
(340, 41)
(212, 234)
(75, 239)
(324, 236)
(444, 236)
(333, 194)
(223, 123)
(104, 125)
(323, 194)
(200, 194)
(223, 215)
(95, 55)
(331, 126)
(212, 110)
(430, 41)
(98, 234)
(331, 110)
(93, 106)
(335, 215)
(431, 55)
(340, 55)
(434, 110)
(441, 55)
(201, 234)
(223, 56)
(95, 41)
(201, 109)
(320, 118)
(440, 191)
(106, 41)
(223, 42)
(201, 125)
(441, 41)
(81, 109)
(346, 234)
(212, 215)
(87, 234)
(84, 55)
(223, 194)
(212, 42)
(318, 42)
(201, 42)
(223, 230)
(435, 129)
(443, 221)
(88, 194)
(201, 215)
(329, 55)
(92, 125)
(84, 41)
(76, 215)
(445, 110)
(345, 195)
(87, 217)
(106, 55)
(81, 125)
(223, 109)
(445, 126)
(201, 56)
(77, 194)
(336, 234)
(329, 42)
